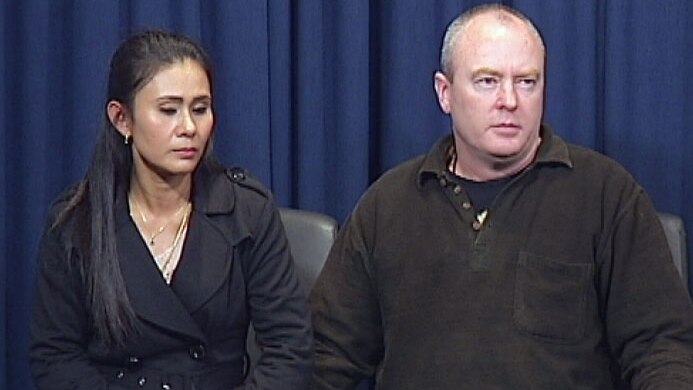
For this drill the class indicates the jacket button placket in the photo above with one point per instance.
(476, 225)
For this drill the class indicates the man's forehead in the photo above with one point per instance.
(490, 25)
(498, 24)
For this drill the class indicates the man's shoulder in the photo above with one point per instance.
(401, 174)
(597, 173)
(396, 183)
(594, 162)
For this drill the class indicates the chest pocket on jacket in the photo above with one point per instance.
(550, 300)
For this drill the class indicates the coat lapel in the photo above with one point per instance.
(152, 299)
(205, 264)
(215, 230)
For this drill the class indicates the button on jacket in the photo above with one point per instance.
(235, 266)
(567, 284)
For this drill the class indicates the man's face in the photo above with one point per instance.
(494, 93)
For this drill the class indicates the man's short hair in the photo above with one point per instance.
(460, 23)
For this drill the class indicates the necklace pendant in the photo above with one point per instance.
(151, 242)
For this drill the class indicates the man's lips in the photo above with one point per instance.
(506, 125)
(507, 129)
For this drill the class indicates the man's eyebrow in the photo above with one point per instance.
(486, 71)
(492, 72)
(529, 73)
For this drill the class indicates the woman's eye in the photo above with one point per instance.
(200, 110)
(167, 110)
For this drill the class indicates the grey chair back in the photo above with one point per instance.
(310, 237)
(676, 237)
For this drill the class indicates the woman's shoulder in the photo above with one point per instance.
(69, 193)
(64, 205)
(243, 178)
(234, 198)
(213, 173)
(65, 226)
(221, 189)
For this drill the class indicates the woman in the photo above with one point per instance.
(152, 267)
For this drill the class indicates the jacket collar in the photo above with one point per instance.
(553, 150)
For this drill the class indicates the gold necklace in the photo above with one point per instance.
(165, 272)
(132, 202)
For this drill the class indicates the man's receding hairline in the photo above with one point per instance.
(504, 15)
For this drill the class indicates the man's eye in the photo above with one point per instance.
(527, 82)
(486, 82)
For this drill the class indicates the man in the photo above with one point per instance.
(504, 258)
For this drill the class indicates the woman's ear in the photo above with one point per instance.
(117, 115)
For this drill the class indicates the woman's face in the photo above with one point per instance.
(171, 121)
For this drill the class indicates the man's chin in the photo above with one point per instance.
(505, 154)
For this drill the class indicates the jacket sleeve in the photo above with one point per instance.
(59, 329)
(346, 313)
(649, 316)
(278, 309)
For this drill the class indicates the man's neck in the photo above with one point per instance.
(472, 166)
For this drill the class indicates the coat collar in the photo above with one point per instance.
(205, 261)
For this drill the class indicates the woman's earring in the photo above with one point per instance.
(127, 139)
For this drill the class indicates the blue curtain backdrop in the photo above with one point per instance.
(317, 98)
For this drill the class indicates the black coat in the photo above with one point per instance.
(235, 267)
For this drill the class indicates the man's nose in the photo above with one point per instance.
(507, 96)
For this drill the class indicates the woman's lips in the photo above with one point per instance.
(186, 152)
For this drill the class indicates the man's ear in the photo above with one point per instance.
(442, 87)
(118, 116)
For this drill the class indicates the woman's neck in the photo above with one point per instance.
(160, 196)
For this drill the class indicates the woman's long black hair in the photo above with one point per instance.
(133, 65)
